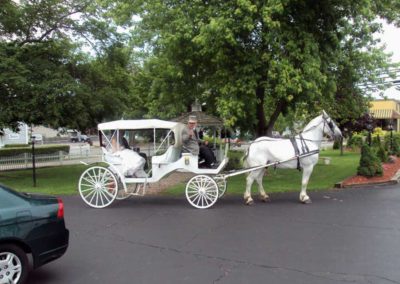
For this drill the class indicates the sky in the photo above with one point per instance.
(391, 37)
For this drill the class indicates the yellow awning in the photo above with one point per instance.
(385, 114)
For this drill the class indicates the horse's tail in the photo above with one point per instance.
(244, 158)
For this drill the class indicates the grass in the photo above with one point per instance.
(284, 180)
(64, 180)
(53, 180)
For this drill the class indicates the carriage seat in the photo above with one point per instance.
(171, 155)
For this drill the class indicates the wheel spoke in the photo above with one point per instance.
(107, 176)
(109, 183)
(90, 193)
(211, 197)
(193, 195)
(97, 198)
(193, 190)
(101, 197)
(94, 194)
(91, 175)
(87, 189)
(89, 181)
(206, 199)
(106, 192)
(94, 175)
(196, 199)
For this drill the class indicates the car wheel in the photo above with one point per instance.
(14, 264)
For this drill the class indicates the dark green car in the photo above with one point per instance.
(32, 233)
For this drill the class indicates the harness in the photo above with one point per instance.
(304, 148)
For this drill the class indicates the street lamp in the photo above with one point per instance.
(33, 161)
(390, 127)
(370, 127)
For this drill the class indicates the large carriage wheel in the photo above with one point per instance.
(202, 191)
(98, 187)
(221, 182)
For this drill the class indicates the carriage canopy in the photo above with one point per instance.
(140, 124)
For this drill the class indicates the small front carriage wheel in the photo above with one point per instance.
(14, 265)
(202, 191)
(221, 182)
(98, 187)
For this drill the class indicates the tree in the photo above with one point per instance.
(44, 75)
(370, 165)
(255, 59)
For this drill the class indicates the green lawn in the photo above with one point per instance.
(64, 180)
(52, 180)
(281, 180)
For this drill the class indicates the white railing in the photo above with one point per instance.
(24, 161)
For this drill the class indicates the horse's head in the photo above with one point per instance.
(330, 127)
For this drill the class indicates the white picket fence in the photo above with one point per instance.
(24, 161)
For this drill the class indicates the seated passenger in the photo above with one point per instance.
(132, 163)
(207, 155)
(191, 141)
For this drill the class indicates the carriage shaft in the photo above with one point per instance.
(239, 172)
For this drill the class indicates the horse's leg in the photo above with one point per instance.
(249, 182)
(263, 196)
(304, 198)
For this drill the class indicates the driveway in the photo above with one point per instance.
(346, 236)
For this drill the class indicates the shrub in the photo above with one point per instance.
(336, 145)
(376, 141)
(395, 144)
(45, 149)
(382, 154)
(235, 160)
(369, 164)
(356, 140)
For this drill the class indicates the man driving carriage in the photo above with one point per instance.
(191, 143)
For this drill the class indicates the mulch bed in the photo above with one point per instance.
(389, 171)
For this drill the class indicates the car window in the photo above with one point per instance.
(9, 199)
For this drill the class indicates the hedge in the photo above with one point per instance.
(43, 149)
(16, 145)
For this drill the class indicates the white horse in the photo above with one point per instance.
(266, 150)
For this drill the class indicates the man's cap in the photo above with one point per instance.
(192, 118)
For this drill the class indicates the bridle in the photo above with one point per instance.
(330, 125)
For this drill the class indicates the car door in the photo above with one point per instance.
(15, 215)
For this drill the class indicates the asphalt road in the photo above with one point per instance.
(346, 236)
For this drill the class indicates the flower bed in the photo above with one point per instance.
(389, 171)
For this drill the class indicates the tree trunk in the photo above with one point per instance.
(279, 108)
(261, 123)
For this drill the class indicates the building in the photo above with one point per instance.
(386, 112)
(10, 137)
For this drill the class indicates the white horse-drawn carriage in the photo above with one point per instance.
(122, 175)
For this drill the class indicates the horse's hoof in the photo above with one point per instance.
(307, 201)
(265, 199)
(249, 202)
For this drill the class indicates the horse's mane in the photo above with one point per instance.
(314, 122)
